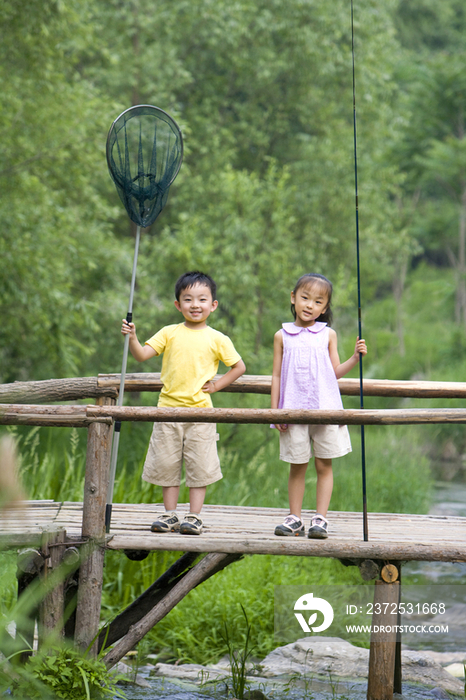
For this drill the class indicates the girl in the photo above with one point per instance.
(306, 367)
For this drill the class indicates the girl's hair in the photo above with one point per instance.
(313, 279)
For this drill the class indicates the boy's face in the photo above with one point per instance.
(196, 305)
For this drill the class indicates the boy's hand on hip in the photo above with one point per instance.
(209, 387)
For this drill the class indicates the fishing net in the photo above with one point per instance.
(144, 154)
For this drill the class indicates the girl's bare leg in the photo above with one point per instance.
(296, 485)
(324, 485)
(170, 497)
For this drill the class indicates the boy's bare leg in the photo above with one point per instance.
(170, 497)
(196, 498)
(296, 485)
(324, 484)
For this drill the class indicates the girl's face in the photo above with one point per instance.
(310, 301)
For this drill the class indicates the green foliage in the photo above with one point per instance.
(73, 676)
(61, 672)
(55, 235)
(427, 25)
(56, 670)
(266, 188)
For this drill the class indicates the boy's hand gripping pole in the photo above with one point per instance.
(117, 427)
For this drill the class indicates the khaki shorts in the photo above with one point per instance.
(171, 442)
(328, 441)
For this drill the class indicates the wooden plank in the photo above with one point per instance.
(237, 529)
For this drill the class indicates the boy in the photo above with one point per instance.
(192, 351)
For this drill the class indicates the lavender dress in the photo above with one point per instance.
(307, 378)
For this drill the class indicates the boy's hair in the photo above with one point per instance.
(313, 279)
(189, 279)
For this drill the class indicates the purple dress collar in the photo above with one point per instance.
(293, 329)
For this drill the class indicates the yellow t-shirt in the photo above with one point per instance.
(190, 359)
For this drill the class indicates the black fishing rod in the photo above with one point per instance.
(361, 394)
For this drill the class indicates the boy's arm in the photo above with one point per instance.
(138, 351)
(343, 368)
(276, 375)
(226, 379)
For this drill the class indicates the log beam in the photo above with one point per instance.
(43, 415)
(268, 415)
(67, 389)
(298, 546)
(83, 416)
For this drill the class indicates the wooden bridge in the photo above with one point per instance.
(52, 532)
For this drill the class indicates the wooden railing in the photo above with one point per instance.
(15, 411)
(106, 385)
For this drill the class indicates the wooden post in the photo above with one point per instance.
(29, 564)
(52, 608)
(383, 643)
(397, 686)
(71, 560)
(93, 529)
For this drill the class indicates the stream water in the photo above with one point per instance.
(450, 499)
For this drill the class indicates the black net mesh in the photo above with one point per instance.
(144, 154)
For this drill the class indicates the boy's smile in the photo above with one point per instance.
(196, 305)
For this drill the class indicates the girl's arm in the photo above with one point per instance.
(276, 374)
(138, 351)
(343, 368)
